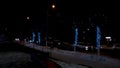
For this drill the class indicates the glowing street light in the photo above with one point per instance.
(28, 18)
(53, 6)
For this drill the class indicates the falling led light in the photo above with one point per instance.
(38, 37)
(33, 36)
(76, 37)
(98, 37)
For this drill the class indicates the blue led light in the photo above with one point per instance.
(98, 36)
(33, 36)
(76, 37)
(39, 38)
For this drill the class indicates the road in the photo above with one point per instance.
(13, 55)
(78, 57)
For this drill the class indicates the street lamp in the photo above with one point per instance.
(53, 6)
(47, 12)
(28, 18)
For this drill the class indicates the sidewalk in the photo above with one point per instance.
(78, 57)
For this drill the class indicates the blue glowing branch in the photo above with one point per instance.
(76, 37)
(39, 38)
(98, 36)
(33, 36)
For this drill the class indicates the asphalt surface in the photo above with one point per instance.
(13, 55)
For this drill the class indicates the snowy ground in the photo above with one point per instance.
(69, 65)
(14, 60)
(21, 60)
(94, 61)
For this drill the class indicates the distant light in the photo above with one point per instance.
(30, 41)
(59, 43)
(88, 29)
(28, 18)
(86, 48)
(53, 6)
(17, 39)
(108, 38)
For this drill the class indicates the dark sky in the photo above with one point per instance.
(60, 20)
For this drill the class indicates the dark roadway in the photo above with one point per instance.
(19, 56)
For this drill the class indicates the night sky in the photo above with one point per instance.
(63, 19)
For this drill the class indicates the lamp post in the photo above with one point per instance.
(47, 12)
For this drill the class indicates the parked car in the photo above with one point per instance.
(116, 46)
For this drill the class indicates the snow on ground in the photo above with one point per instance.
(79, 58)
(69, 65)
(14, 59)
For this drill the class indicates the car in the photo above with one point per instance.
(116, 46)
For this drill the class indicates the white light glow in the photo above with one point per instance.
(28, 18)
(86, 48)
(53, 6)
(17, 39)
(108, 37)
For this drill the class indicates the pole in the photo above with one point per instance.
(47, 11)
(47, 25)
